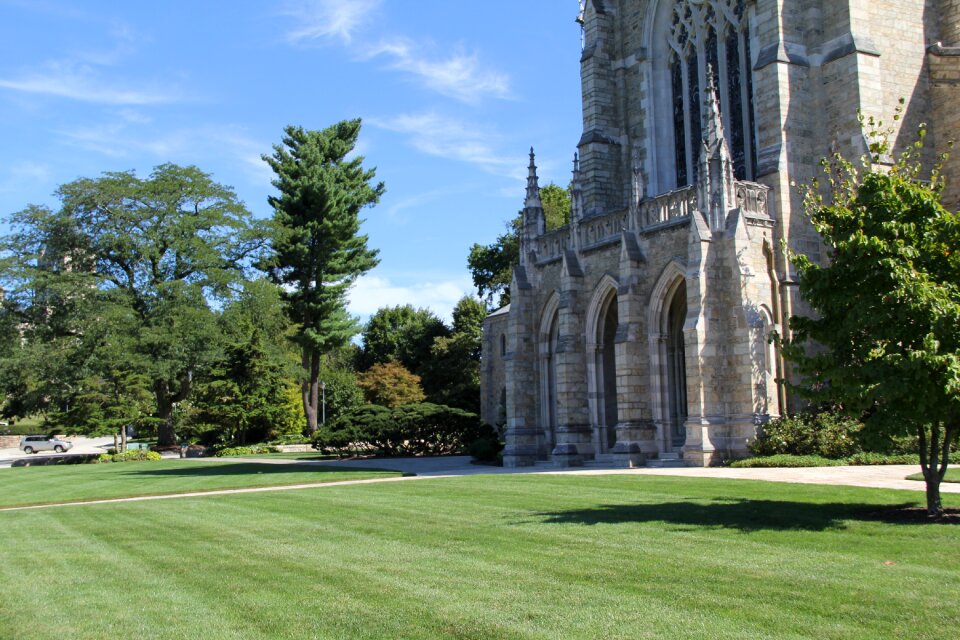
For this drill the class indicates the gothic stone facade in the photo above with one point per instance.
(641, 329)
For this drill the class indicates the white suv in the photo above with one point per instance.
(33, 444)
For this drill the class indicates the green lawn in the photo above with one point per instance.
(495, 557)
(953, 475)
(41, 485)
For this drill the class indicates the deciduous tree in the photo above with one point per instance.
(887, 304)
(153, 252)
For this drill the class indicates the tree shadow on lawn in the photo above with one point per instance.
(247, 469)
(742, 514)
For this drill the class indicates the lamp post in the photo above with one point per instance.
(323, 392)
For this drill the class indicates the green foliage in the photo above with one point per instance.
(413, 429)
(317, 251)
(888, 303)
(135, 455)
(246, 395)
(808, 434)
(116, 287)
(453, 375)
(255, 450)
(485, 449)
(343, 392)
(786, 460)
(390, 385)
(400, 334)
(491, 266)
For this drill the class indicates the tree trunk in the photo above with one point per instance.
(309, 388)
(166, 400)
(123, 439)
(934, 458)
(166, 433)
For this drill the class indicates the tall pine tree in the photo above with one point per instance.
(317, 250)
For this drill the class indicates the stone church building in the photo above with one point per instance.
(640, 331)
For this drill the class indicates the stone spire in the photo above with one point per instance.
(534, 219)
(715, 182)
(533, 185)
(576, 192)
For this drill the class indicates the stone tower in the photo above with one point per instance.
(640, 332)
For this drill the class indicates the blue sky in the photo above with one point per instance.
(452, 93)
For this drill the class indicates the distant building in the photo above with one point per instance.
(640, 331)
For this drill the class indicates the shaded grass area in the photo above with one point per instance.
(488, 557)
(44, 485)
(953, 475)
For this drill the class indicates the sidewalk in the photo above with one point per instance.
(877, 477)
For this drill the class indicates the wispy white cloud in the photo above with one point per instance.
(81, 82)
(373, 292)
(118, 139)
(459, 76)
(324, 19)
(455, 140)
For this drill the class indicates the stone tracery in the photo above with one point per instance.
(711, 35)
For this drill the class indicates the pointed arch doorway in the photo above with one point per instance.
(674, 367)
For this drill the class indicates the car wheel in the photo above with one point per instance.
(58, 449)
(28, 449)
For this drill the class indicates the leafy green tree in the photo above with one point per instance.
(400, 334)
(342, 390)
(317, 252)
(491, 266)
(887, 304)
(245, 395)
(390, 385)
(454, 370)
(146, 256)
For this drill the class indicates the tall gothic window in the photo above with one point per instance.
(712, 35)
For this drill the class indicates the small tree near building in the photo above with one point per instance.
(887, 305)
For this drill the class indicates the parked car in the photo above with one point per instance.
(33, 444)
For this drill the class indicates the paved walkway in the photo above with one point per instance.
(878, 477)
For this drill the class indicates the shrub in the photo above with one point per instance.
(485, 449)
(786, 460)
(808, 434)
(868, 458)
(412, 429)
(253, 450)
(135, 455)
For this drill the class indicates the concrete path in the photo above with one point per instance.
(877, 477)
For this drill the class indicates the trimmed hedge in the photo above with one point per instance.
(786, 460)
(253, 450)
(135, 455)
(858, 459)
(413, 429)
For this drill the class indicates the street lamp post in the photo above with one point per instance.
(323, 392)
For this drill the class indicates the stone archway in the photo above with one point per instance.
(547, 346)
(606, 372)
(668, 375)
(675, 368)
(602, 326)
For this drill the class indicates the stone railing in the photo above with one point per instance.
(752, 199)
(672, 205)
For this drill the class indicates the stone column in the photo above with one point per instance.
(636, 433)
(574, 435)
